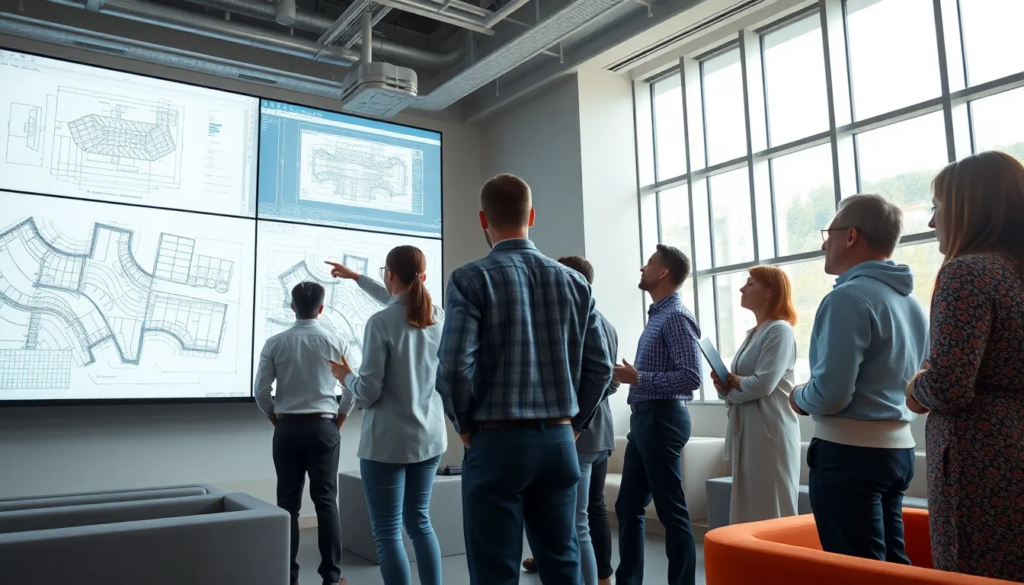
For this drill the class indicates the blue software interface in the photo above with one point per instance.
(328, 168)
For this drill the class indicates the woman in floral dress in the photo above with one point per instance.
(973, 383)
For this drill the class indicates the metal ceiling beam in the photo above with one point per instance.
(320, 24)
(32, 27)
(160, 15)
(432, 10)
(483, 103)
(346, 20)
(503, 12)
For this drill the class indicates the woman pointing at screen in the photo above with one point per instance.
(403, 434)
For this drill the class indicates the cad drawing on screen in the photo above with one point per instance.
(25, 135)
(105, 141)
(289, 254)
(91, 133)
(121, 308)
(349, 171)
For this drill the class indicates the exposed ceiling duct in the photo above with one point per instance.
(160, 15)
(573, 15)
(533, 41)
(61, 35)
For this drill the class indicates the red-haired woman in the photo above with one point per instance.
(763, 436)
(403, 434)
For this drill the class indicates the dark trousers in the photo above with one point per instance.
(597, 516)
(311, 446)
(658, 430)
(857, 499)
(516, 476)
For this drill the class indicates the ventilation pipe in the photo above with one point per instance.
(366, 24)
(286, 12)
(160, 15)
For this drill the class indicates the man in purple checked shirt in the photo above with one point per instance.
(666, 373)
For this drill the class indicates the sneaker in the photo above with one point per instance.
(529, 566)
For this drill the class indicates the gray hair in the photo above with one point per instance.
(878, 220)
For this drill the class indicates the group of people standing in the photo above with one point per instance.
(875, 361)
(522, 363)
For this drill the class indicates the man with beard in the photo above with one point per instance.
(666, 374)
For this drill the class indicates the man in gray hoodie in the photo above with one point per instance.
(870, 337)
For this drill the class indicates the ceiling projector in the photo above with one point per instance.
(378, 89)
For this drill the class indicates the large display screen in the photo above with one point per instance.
(151, 231)
(332, 169)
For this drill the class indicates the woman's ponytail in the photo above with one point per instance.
(409, 265)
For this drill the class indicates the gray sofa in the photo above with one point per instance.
(103, 497)
(208, 539)
(445, 517)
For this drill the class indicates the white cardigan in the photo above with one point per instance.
(763, 435)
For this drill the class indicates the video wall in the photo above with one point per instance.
(151, 231)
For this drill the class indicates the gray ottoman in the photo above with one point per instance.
(445, 517)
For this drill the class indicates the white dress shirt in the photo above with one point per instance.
(297, 359)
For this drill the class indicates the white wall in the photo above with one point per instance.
(66, 449)
(611, 211)
(574, 144)
(538, 139)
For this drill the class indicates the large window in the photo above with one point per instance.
(774, 148)
(893, 54)
(899, 161)
(723, 113)
(795, 81)
(669, 147)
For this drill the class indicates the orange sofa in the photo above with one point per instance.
(787, 552)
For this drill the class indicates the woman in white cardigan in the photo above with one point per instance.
(763, 435)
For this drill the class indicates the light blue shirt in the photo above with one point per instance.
(870, 337)
(297, 359)
(403, 416)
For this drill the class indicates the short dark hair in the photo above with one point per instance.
(581, 265)
(677, 263)
(506, 201)
(307, 297)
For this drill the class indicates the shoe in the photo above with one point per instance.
(529, 566)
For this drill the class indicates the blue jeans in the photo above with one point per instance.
(588, 560)
(511, 476)
(651, 468)
(857, 499)
(393, 491)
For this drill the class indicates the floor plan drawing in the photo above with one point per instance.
(89, 309)
(91, 133)
(103, 140)
(288, 254)
(26, 132)
(349, 171)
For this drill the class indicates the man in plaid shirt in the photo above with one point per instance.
(667, 372)
(523, 367)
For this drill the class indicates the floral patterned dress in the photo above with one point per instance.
(975, 432)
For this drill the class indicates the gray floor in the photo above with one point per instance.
(362, 572)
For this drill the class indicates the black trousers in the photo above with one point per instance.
(311, 446)
(857, 499)
(597, 516)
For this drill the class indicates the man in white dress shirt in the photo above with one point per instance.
(307, 416)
